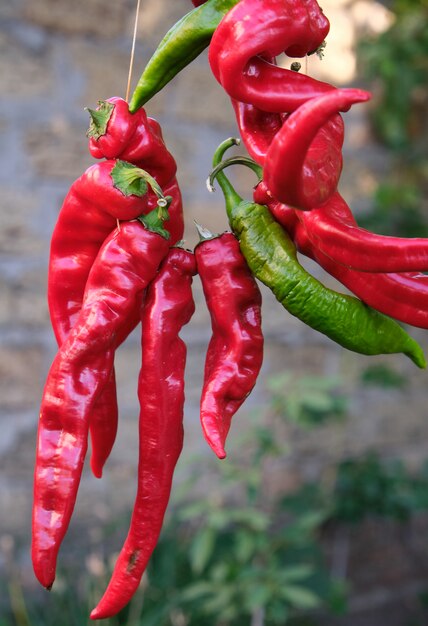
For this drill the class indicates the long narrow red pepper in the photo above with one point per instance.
(235, 352)
(303, 163)
(167, 308)
(254, 29)
(127, 262)
(335, 232)
(88, 215)
(403, 296)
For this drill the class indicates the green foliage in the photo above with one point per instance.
(307, 400)
(398, 63)
(369, 487)
(397, 210)
(238, 553)
(381, 375)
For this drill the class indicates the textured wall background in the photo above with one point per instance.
(56, 57)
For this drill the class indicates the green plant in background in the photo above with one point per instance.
(243, 553)
(397, 210)
(397, 62)
(396, 66)
(307, 400)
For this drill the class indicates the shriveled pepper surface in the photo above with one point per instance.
(118, 261)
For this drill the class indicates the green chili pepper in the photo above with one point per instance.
(272, 258)
(181, 45)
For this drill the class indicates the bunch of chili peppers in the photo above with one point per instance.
(117, 261)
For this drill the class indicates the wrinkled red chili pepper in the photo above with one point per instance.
(303, 163)
(235, 352)
(88, 215)
(256, 29)
(168, 306)
(127, 262)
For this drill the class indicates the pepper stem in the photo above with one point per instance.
(204, 233)
(232, 198)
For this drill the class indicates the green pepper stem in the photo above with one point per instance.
(232, 198)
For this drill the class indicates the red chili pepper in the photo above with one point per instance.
(167, 308)
(335, 232)
(115, 133)
(89, 214)
(254, 29)
(403, 296)
(257, 128)
(304, 160)
(125, 265)
(235, 351)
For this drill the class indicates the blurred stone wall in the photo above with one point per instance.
(56, 57)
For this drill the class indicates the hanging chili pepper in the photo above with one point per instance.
(271, 256)
(106, 192)
(403, 296)
(296, 181)
(168, 306)
(116, 133)
(304, 160)
(335, 232)
(235, 352)
(320, 163)
(256, 29)
(127, 262)
(181, 45)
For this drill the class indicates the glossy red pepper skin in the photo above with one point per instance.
(254, 29)
(257, 128)
(127, 262)
(167, 308)
(303, 163)
(137, 139)
(88, 215)
(403, 296)
(235, 352)
(334, 231)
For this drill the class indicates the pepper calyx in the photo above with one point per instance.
(134, 181)
(153, 221)
(100, 118)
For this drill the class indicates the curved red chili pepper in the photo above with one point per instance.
(125, 265)
(304, 160)
(89, 214)
(320, 164)
(335, 232)
(167, 308)
(403, 296)
(235, 352)
(256, 28)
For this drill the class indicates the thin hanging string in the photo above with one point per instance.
(131, 61)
